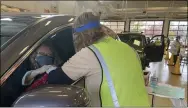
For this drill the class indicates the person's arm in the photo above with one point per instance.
(82, 64)
(30, 75)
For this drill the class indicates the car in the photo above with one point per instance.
(21, 35)
(146, 49)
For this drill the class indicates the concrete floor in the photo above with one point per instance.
(162, 71)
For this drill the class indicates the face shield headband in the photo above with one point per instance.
(89, 25)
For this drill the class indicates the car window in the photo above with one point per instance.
(10, 26)
(132, 39)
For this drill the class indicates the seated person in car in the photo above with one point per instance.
(43, 61)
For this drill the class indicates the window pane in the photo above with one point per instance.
(133, 28)
(134, 22)
(173, 33)
(182, 27)
(149, 32)
(149, 27)
(150, 23)
(121, 23)
(113, 27)
(182, 33)
(142, 23)
(148, 35)
(113, 23)
(157, 32)
(142, 28)
(119, 31)
(173, 27)
(158, 27)
(171, 37)
(174, 22)
(183, 23)
(120, 27)
(159, 23)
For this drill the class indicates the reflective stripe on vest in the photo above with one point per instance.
(107, 74)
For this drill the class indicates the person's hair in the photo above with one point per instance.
(87, 37)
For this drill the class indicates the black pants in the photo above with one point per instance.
(175, 59)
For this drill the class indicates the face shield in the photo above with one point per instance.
(87, 30)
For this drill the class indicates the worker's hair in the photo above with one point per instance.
(87, 37)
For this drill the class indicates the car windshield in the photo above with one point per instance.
(11, 25)
(135, 40)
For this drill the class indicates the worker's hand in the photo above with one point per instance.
(45, 68)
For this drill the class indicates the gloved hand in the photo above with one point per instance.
(45, 68)
(30, 75)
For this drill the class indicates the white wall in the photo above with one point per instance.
(67, 7)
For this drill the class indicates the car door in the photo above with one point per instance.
(155, 49)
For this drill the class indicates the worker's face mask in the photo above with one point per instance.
(44, 60)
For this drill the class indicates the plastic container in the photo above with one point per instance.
(153, 80)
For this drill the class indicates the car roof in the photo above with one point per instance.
(32, 18)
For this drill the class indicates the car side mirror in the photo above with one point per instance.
(54, 96)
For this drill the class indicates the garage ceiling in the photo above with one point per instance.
(138, 9)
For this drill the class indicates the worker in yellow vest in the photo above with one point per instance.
(112, 69)
(114, 75)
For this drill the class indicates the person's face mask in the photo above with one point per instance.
(44, 60)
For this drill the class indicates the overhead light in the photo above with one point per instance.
(6, 19)
(70, 20)
(48, 23)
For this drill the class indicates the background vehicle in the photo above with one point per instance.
(146, 50)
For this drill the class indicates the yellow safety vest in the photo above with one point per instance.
(123, 81)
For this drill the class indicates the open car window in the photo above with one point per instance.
(10, 26)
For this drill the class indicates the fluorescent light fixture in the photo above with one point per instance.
(48, 23)
(70, 20)
(6, 19)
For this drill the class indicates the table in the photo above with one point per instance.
(175, 94)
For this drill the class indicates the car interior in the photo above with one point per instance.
(62, 44)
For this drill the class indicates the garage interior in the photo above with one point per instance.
(168, 18)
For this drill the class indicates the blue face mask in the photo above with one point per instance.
(44, 60)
